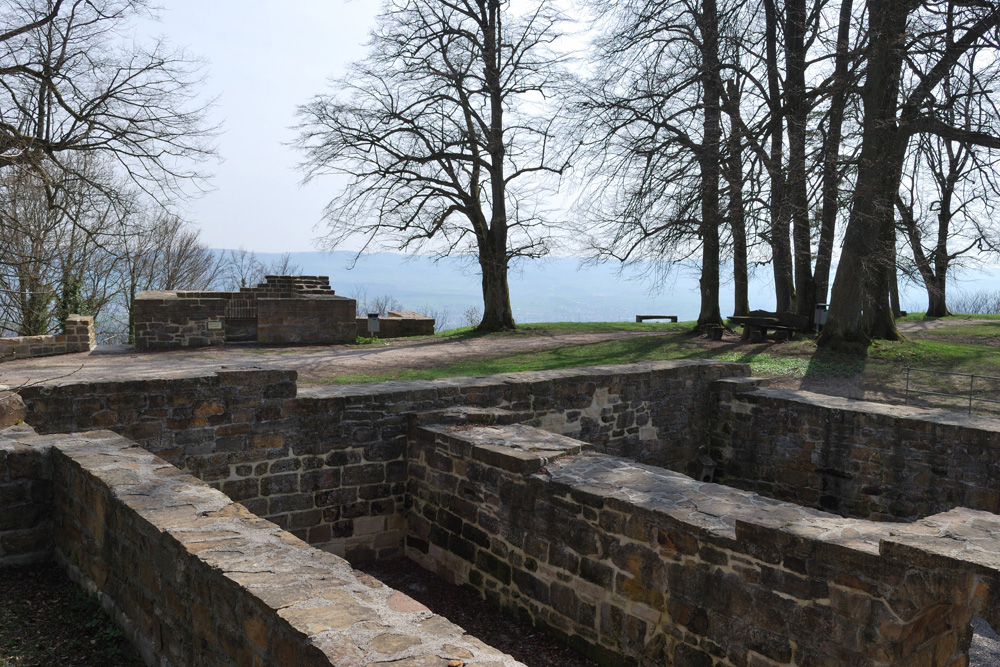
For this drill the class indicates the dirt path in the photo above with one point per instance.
(313, 363)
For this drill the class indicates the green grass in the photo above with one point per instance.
(546, 328)
(630, 350)
(884, 363)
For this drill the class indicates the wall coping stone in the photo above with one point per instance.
(857, 406)
(335, 612)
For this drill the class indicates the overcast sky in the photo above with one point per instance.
(263, 59)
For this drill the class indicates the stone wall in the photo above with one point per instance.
(625, 560)
(79, 337)
(306, 321)
(283, 310)
(855, 458)
(179, 319)
(25, 496)
(330, 463)
(399, 324)
(195, 579)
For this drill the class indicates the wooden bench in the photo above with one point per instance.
(757, 323)
(640, 318)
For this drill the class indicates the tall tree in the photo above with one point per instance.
(860, 308)
(833, 169)
(947, 202)
(446, 136)
(654, 116)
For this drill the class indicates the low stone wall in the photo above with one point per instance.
(399, 324)
(283, 310)
(330, 463)
(194, 578)
(856, 458)
(319, 320)
(25, 496)
(179, 319)
(625, 560)
(79, 337)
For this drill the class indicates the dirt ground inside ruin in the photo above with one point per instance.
(318, 364)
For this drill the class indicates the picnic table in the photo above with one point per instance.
(757, 324)
(640, 318)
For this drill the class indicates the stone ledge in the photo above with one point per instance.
(515, 448)
(290, 593)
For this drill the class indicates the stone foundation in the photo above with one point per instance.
(629, 561)
(398, 324)
(195, 579)
(329, 463)
(79, 337)
(855, 458)
(283, 310)
(539, 490)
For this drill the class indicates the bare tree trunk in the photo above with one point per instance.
(937, 302)
(795, 186)
(893, 278)
(859, 309)
(710, 153)
(831, 155)
(736, 215)
(781, 251)
(497, 314)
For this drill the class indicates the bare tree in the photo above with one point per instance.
(931, 38)
(946, 204)
(654, 111)
(159, 251)
(283, 266)
(241, 268)
(53, 234)
(446, 135)
(74, 80)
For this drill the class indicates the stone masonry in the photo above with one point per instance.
(195, 579)
(79, 337)
(623, 560)
(283, 310)
(328, 463)
(399, 324)
(540, 491)
(855, 458)
(288, 310)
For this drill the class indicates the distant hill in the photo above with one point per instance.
(549, 290)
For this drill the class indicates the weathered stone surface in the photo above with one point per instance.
(856, 458)
(724, 572)
(79, 337)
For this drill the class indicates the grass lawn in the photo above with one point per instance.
(963, 348)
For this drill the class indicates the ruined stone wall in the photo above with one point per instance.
(25, 497)
(855, 458)
(79, 337)
(195, 579)
(624, 560)
(179, 319)
(283, 310)
(399, 324)
(306, 321)
(330, 464)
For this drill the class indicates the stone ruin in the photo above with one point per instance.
(283, 310)
(668, 513)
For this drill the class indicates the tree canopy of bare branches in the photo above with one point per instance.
(74, 79)
(446, 135)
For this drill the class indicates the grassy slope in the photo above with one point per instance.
(963, 348)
